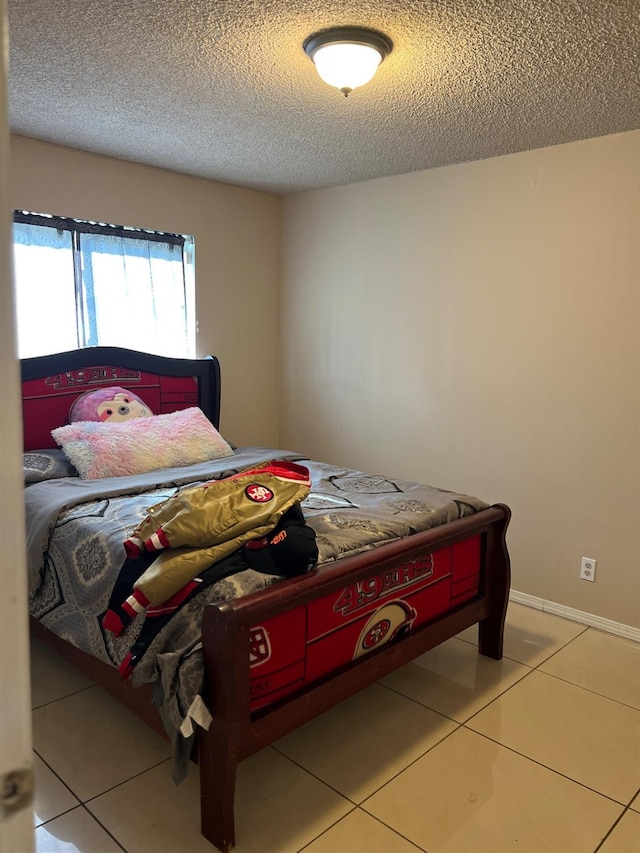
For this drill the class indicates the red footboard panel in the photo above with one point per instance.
(298, 647)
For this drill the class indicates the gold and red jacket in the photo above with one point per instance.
(202, 524)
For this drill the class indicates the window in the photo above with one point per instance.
(82, 284)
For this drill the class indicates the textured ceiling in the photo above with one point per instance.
(222, 89)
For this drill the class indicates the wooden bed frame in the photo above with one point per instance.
(239, 727)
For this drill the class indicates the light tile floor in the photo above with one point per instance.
(455, 753)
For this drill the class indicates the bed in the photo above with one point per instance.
(263, 654)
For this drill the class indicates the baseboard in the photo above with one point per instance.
(590, 619)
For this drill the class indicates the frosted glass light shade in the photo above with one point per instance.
(347, 57)
(346, 66)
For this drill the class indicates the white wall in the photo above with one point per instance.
(477, 327)
(237, 239)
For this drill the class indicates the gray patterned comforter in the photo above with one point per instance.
(75, 531)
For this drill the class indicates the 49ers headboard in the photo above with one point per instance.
(51, 383)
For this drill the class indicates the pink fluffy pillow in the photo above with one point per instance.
(107, 449)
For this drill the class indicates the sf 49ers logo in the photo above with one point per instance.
(259, 494)
(383, 625)
(259, 646)
(376, 634)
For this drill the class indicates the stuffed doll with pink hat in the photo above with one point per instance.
(111, 404)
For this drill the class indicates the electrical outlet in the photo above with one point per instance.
(588, 569)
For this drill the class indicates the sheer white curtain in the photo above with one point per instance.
(134, 294)
(45, 290)
(88, 288)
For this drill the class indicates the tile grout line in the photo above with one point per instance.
(611, 828)
(36, 827)
(124, 782)
(499, 695)
(108, 831)
(415, 701)
(489, 702)
(545, 660)
(589, 690)
(78, 807)
(537, 668)
(562, 647)
(567, 681)
(368, 814)
(314, 776)
(58, 777)
(368, 796)
(324, 831)
(546, 767)
(82, 802)
(413, 844)
(411, 763)
(60, 698)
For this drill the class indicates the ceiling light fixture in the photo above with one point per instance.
(346, 57)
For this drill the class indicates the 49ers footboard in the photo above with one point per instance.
(279, 658)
